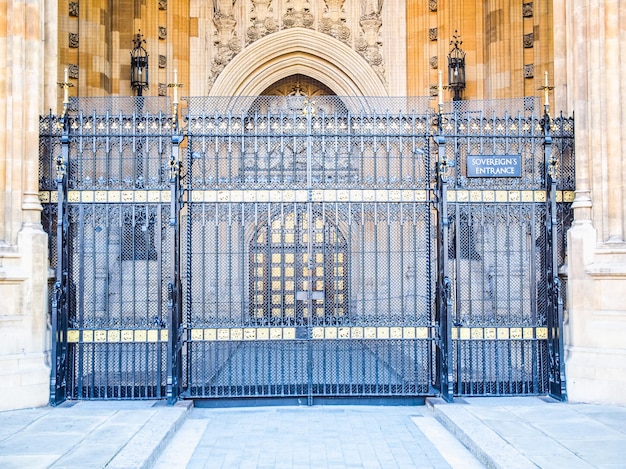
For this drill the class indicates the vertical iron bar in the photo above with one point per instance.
(555, 303)
(59, 307)
(309, 180)
(175, 339)
(444, 298)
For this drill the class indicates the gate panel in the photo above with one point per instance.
(115, 236)
(504, 280)
(118, 290)
(264, 321)
(497, 263)
(309, 240)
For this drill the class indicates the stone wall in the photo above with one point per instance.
(596, 319)
(24, 340)
(508, 46)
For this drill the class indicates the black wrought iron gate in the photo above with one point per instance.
(290, 247)
(308, 237)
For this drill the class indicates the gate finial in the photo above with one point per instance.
(66, 85)
(175, 85)
(546, 88)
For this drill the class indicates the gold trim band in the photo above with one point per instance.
(317, 333)
(117, 335)
(499, 333)
(288, 196)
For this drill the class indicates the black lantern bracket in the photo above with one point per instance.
(139, 65)
(456, 67)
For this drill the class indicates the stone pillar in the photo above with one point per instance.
(596, 320)
(24, 372)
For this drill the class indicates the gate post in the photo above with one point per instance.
(174, 300)
(444, 294)
(59, 308)
(554, 301)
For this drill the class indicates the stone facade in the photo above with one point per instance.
(24, 337)
(354, 47)
(596, 320)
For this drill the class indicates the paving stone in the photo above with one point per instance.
(534, 432)
(30, 461)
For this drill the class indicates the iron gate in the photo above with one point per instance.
(308, 236)
(305, 248)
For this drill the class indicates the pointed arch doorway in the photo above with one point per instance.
(298, 256)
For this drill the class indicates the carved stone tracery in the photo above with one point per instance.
(298, 14)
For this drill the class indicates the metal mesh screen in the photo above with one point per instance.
(128, 106)
(239, 106)
(308, 245)
(118, 299)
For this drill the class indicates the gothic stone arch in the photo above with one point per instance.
(298, 51)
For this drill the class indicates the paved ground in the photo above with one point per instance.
(312, 437)
(85, 434)
(500, 432)
(537, 432)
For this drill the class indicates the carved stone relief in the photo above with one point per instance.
(73, 9)
(162, 89)
(72, 71)
(162, 32)
(162, 61)
(432, 5)
(162, 4)
(529, 40)
(298, 15)
(432, 34)
(73, 40)
(527, 9)
(434, 62)
(529, 71)
(226, 42)
(333, 21)
(263, 23)
(369, 43)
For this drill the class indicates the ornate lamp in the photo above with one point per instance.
(456, 68)
(139, 65)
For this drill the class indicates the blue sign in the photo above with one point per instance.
(494, 166)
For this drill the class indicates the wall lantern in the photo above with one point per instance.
(139, 65)
(456, 68)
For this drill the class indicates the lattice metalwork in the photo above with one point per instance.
(280, 270)
(118, 284)
(283, 147)
(496, 263)
(113, 284)
(316, 268)
(306, 247)
(115, 105)
(498, 271)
